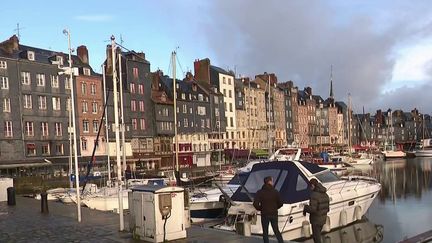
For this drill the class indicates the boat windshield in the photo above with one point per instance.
(287, 179)
(238, 179)
(327, 176)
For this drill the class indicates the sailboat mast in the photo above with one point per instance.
(173, 60)
(106, 124)
(117, 133)
(349, 123)
(269, 112)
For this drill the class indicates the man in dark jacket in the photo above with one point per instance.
(268, 201)
(317, 208)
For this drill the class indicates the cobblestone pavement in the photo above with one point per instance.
(25, 223)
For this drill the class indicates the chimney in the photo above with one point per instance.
(308, 90)
(83, 54)
(202, 70)
(189, 76)
(108, 67)
(155, 79)
(10, 45)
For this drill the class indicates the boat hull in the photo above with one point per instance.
(423, 153)
(394, 154)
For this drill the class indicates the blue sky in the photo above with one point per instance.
(380, 50)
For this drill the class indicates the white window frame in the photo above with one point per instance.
(134, 124)
(83, 144)
(42, 102)
(84, 107)
(56, 103)
(86, 128)
(25, 78)
(59, 59)
(67, 82)
(40, 79)
(60, 148)
(29, 129)
(44, 129)
(48, 148)
(140, 89)
(58, 129)
(6, 105)
(31, 55)
(83, 88)
(141, 105)
(3, 65)
(142, 124)
(133, 105)
(8, 129)
(4, 82)
(94, 107)
(132, 88)
(95, 126)
(54, 81)
(28, 104)
(86, 71)
(93, 89)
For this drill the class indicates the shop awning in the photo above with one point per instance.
(27, 164)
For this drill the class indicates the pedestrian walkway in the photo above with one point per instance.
(25, 223)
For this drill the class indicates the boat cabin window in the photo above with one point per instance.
(327, 176)
(238, 179)
(301, 184)
(256, 179)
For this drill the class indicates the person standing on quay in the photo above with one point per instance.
(317, 208)
(268, 201)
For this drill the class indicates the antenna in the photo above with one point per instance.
(121, 39)
(17, 31)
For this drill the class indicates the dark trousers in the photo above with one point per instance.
(316, 232)
(265, 220)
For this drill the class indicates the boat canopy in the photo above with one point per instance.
(287, 179)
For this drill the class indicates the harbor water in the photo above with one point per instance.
(403, 208)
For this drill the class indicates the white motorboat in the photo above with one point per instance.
(393, 154)
(350, 198)
(106, 201)
(424, 148)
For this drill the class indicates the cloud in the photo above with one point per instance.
(299, 40)
(94, 17)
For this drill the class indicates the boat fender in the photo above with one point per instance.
(343, 218)
(306, 230)
(357, 213)
(327, 225)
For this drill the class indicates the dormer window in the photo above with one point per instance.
(59, 59)
(31, 55)
(86, 71)
(163, 97)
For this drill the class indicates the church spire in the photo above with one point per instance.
(331, 81)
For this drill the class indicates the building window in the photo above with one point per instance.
(134, 124)
(31, 149)
(135, 72)
(165, 112)
(183, 96)
(84, 106)
(54, 81)
(84, 144)
(44, 127)
(42, 102)
(223, 80)
(200, 97)
(31, 55)
(185, 122)
(58, 129)
(86, 128)
(45, 149)
(141, 105)
(224, 92)
(201, 110)
(6, 105)
(56, 103)
(93, 89)
(132, 88)
(83, 88)
(142, 124)
(60, 149)
(8, 129)
(25, 78)
(230, 107)
(216, 111)
(133, 105)
(67, 83)
(95, 126)
(231, 122)
(68, 104)
(29, 129)
(208, 123)
(3, 65)
(87, 71)
(140, 89)
(94, 107)
(184, 108)
(59, 59)
(4, 82)
(202, 123)
(229, 93)
(40, 79)
(27, 101)
(229, 81)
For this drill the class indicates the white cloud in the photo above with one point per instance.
(94, 17)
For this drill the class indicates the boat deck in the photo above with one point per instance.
(25, 223)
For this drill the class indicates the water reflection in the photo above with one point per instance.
(400, 178)
(403, 205)
(360, 231)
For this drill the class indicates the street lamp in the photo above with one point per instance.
(78, 199)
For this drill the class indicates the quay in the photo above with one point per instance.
(24, 222)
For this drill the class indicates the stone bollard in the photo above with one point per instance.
(11, 196)
(44, 202)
